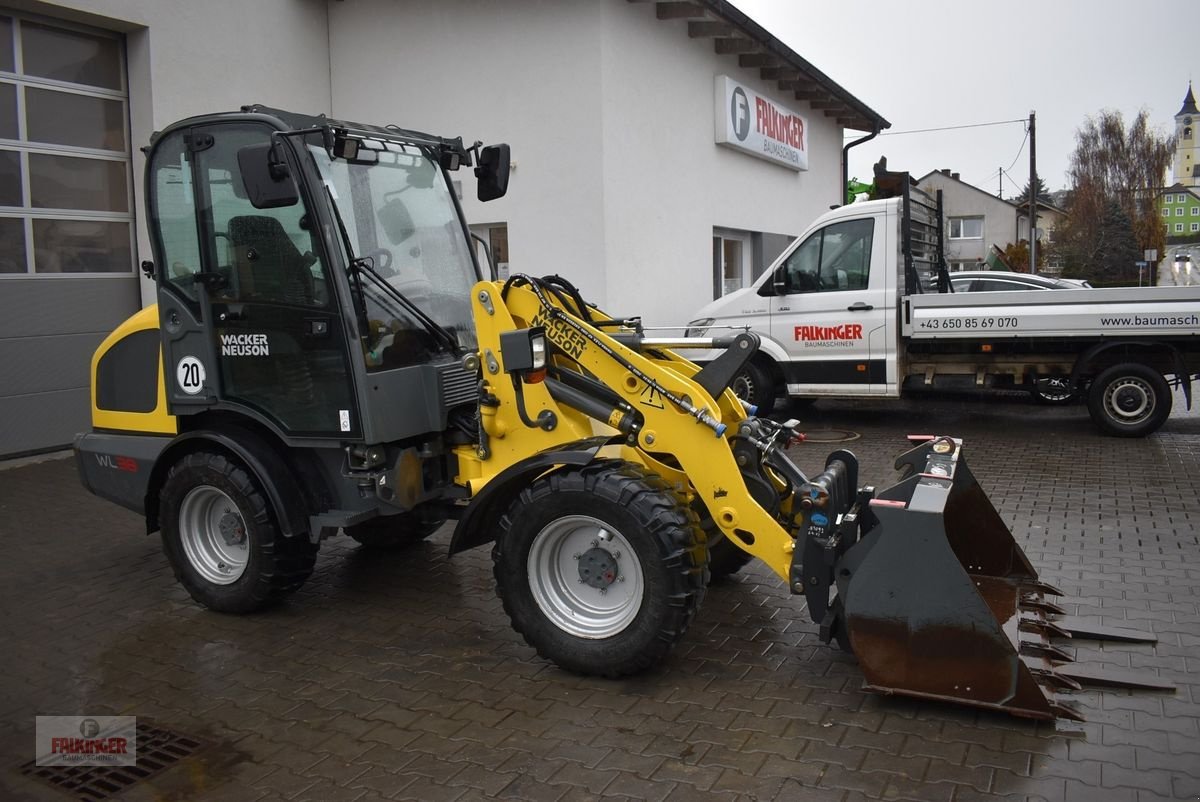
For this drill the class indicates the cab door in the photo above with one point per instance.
(828, 310)
(247, 304)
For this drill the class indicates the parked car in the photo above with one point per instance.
(1003, 281)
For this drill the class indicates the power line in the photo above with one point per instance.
(949, 128)
(1023, 141)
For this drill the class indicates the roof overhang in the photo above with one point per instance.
(736, 35)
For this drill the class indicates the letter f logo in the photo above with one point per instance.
(739, 114)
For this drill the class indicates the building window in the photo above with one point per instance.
(66, 200)
(1179, 228)
(1187, 133)
(1179, 211)
(1195, 227)
(731, 260)
(1166, 212)
(966, 228)
(1195, 211)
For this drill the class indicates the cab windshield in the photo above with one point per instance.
(400, 218)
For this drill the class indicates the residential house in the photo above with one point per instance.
(976, 220)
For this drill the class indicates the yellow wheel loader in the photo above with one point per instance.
(326, 353)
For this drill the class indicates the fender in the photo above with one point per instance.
(256, 454)
(477, 525)
(1181, 371)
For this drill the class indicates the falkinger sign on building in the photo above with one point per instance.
(757, 125)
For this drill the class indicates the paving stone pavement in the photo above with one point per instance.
(396, 675)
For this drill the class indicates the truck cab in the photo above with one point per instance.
(826, 309)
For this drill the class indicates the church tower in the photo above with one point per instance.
(1186, 170)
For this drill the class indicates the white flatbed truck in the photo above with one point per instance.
(860, 305)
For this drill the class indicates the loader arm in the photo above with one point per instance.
(688, 447)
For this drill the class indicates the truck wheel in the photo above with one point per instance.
(393, 531)
(1129, 400)
(221, 538)
(755, 385)
(1053, 390)
(601, 569)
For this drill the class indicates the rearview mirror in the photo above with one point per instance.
(492, 172)
(397, 223)
(266, 177)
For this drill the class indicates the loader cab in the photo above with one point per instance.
(319, 290)
(246, 290)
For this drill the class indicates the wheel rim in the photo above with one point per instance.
(585, 577)
(214, 535)
(743, 387)
(1054, 388)
(1129, 400)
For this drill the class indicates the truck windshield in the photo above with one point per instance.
(399, 215)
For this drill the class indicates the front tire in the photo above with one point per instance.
(755, 385)
(1129, 400)
(601, 569)
(221, 538)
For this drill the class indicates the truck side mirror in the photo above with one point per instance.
(492, 172)
(266, 177)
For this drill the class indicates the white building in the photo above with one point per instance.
(614, 111)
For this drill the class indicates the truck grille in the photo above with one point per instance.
(458, 386)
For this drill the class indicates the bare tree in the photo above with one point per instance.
(1113, 164)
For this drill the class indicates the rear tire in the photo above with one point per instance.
(1129, 400)
(601, 569)
(221, 538)
(393, 531)
(754, 384)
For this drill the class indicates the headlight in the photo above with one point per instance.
(538, 345)
(697, 328)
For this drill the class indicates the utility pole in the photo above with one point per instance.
(1033, 185)
(1000, 193)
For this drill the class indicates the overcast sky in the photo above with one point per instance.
(928, 64)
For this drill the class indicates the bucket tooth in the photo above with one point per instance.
(1044, 650)
(1082, 629)
(1042, 627)
(1115, 678)
(1033, 604)
(1053, 679)
(1066, 710)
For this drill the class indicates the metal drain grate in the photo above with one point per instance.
(157, 750)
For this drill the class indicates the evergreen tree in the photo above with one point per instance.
(1116, 249)
(1043, 194)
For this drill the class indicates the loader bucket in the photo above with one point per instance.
(938, 601)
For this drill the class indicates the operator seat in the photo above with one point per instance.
(268, 264)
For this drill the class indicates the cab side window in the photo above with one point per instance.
(836, 258)
(175, 207)
(266, 255)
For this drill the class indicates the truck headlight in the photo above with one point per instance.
(697, 328)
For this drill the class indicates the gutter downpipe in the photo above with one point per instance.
(846, 161)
